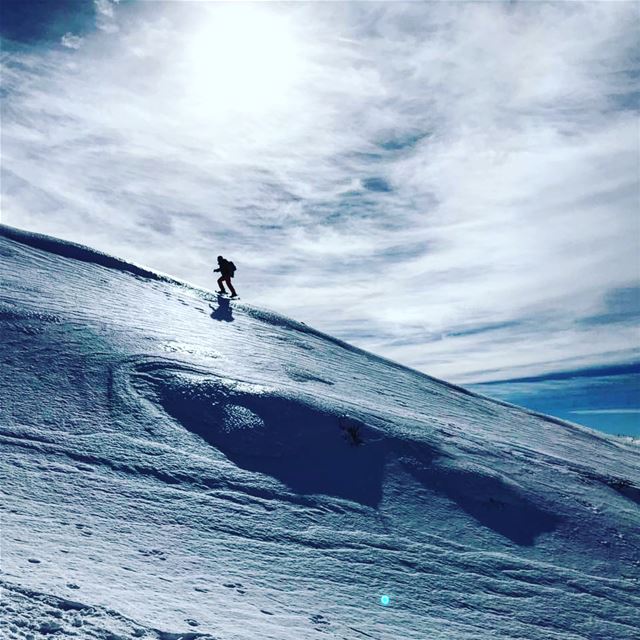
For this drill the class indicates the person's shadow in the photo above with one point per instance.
(223, 312)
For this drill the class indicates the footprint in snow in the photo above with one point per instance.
(235, 585)
(34, 561)
(83, 529)
(319, 619)
(71, 585)
(154, 553)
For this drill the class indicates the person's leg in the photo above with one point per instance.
(221, 288)
(228, 281)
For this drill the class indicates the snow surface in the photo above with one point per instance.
(180, 466)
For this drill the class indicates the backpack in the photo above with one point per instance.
(232, 268)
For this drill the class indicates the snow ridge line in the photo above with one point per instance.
(76, 251)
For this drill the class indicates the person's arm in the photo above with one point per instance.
(218, 269)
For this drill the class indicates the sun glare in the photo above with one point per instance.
(245, 58)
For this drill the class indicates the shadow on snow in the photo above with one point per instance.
(222, 312)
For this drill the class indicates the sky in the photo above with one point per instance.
(454, 186)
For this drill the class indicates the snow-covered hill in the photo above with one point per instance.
(178, 466)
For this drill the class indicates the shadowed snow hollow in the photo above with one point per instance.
(178, 466)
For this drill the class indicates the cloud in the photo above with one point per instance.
(105, 15)
(452, 185)
(71, 41)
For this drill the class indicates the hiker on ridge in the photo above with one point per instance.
(226, 269)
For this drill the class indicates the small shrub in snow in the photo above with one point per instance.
(618, 483)
(351, 430)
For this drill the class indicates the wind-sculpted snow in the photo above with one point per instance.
(176, 465)
(281, 435)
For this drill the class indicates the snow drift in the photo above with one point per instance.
(179, 466)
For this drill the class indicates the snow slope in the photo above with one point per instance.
(178, 466)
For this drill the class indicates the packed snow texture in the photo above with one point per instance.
(176, 465)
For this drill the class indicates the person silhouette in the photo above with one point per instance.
(227, 269)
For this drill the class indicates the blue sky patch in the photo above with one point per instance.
(604, 398)
(376, 184)
(45, 21)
